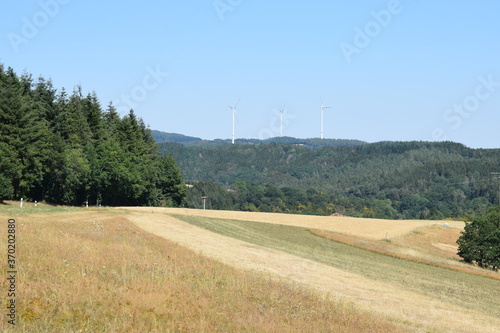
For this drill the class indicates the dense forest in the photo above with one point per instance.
(383, 180)
(64, 149)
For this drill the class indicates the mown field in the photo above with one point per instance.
(157, 270)
(414, 278)
(461, 288)
(94, 271)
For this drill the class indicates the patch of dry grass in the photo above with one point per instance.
(435, 239)
(362, 227)
(93, 271)
(432, 245)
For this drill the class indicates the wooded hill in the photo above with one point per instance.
(383, 180)
(194, 141)
(65, 149)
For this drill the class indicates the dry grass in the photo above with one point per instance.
(93, 271)
(361, 227)
(435, 239)
(434, 245)
(421, 298)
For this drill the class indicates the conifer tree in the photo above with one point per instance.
(171, 182)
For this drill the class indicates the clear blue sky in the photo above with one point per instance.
(390, 70)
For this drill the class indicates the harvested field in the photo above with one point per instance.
(92, 268)
(367, 228)
(417, 310)
(94, 271)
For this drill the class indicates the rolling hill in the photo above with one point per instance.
(194, 141)
(384, 180)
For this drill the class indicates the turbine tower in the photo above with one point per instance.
(233, 109)
(323, 107)
(281, 120)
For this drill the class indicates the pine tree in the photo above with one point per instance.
(171, 182)
(24, 136)
(66, 150)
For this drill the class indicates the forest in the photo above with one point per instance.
(396, 180)
(63, 148)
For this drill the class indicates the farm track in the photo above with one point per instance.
(418, 312)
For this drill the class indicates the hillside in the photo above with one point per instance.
(194, 141)
(167, 269)
(173, 137)
(385, 180)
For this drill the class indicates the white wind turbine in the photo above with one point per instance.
(233, 109)
(281, 120)
(323, 107)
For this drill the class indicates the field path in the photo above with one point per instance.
(421, 313)
(367, 228)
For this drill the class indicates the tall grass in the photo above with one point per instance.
(93, 271)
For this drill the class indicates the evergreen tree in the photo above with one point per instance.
(66, 150)
(171, 182)
(24, 136)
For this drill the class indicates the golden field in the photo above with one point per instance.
(154, 270)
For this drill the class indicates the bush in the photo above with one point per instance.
(480, 240)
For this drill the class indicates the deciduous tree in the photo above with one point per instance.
(480, 240)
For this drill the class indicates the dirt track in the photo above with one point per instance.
(374, 296)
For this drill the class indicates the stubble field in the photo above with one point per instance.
(175, 270)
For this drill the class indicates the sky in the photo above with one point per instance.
(390, 70)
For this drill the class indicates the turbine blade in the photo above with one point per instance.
(237, 102)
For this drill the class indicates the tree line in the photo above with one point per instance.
(65, 149)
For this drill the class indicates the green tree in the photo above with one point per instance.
(217, 196)
(170, 182)
(480, 240)
(24, 135)
(6, 190)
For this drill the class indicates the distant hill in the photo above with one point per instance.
(388, 179)
(173, 137)
(194, 141)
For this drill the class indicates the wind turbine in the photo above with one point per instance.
(323, 107)
(281, 120)
(233, 109)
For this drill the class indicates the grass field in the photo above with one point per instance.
(144, 270)
(426, 297)
(94, 271)
(461, 288)
(362, 227)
